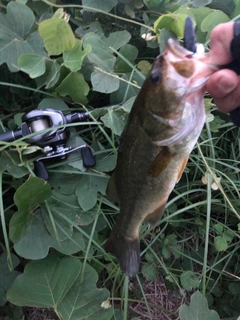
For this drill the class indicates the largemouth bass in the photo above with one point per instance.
(163, 126)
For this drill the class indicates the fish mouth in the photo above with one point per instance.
(189, 65)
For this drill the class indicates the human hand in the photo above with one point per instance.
(223, 85)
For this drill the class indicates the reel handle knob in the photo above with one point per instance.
(40, 170)
(88, 158)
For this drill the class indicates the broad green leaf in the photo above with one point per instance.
(27, 198)
(73, 59)
(105, 163)
(74, 86)
(15, 27)
(45, 282)
(32, 64)
(172, 22)
(57, 283)
(198, 309)
(36, 241)
(99, 4)
(220, 243)
(57, 35)
(130, 53)
(149, 271)
(51, 76)
(40, 235)
(88, 189)
(227, 6)
(53, 103)
(84, 300)
(117, 39)
(115, 120)
(189, 280)
(212, 20)
(100, 56)
(105, 83)
(11, 162)
(71, 209)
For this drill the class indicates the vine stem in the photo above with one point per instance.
(4, 229)
(100, 11)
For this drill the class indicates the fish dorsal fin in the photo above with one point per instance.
(161, 162)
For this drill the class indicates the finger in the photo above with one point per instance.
(220, 39)
(221, 83)
(230, 102)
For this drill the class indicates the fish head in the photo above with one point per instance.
(175, 74)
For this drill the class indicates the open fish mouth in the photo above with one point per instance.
(189, 65)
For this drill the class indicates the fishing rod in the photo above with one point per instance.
(51, 134)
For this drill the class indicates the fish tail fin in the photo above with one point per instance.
(127, 252)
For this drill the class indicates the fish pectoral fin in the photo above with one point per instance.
(182, 167)
(161, 162)
(156, 215)
(126, 250)
(112, 189)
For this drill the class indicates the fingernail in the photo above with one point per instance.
(235, 43)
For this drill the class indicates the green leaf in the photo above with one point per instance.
(172, 22)
(41, 235)
(14, 29)
(105, 83)
(149, 271)
(198, 309)
(56, 283)
(100, 56)
(75, 86)
(73, 59)
(212, 20)
(27, 198)
(53, 103)
(57, 35)
(99, 4)
(200, 3)
(6, 276)
(115, 120)
(216, 124)
(36, 241)
(117, 39)
(189, 280)
(88, 189)
(220, 243)
(44, 283)
(11, 162)
(32, 64)
(219, 228)
(130, 53)
(105, 163)
(51, 76)
(84, 300)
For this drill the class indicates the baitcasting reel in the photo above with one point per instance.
(52, 141)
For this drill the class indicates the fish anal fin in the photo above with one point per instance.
(181, 168)
(161, 162)
(126, 250)
(156, 215)
(112, 189)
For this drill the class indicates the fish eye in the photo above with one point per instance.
(156, 77)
